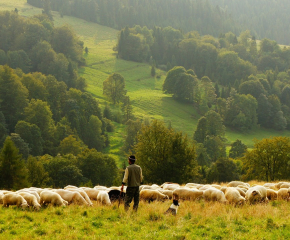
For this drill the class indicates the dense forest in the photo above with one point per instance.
(46, 116)
(265, 19)
(187, 15)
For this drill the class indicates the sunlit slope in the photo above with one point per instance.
(145, 92)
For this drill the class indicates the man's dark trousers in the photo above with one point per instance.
(132, 192)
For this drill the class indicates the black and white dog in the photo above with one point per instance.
(173, 208)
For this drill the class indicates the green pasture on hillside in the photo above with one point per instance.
(145, 92)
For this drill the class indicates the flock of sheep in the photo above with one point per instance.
(235, 192)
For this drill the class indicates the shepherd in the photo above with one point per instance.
(133, 178)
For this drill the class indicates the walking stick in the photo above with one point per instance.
(120, 198)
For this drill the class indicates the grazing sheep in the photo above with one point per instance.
(47, 197)
(100, 188)
(237, 183)
(71, 197)
(6, 192)
(272, 194)
(256, 194)
(30, 199)
(285, 185)
(213, 194)
(170, 186)
(216, 186)
(243, 187)
(283, 194)
(103, 197)
(204, 187)
(268, 185)
(278, 185)
(234, 197)
(242, 191)
(192, 185)
(92, 193)
(69, 186)
(152, 195)
(1, 197)
(187, 194)
(168, 193)
(14, 199)
(83, 193)
(31, 192)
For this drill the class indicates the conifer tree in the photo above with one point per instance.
(13, 172)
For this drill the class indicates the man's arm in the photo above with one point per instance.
(141, 176)
(125, 179)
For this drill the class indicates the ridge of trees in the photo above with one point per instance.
(265, 19)
(188, 14)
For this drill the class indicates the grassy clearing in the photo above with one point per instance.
(195, 220)
(145, 92)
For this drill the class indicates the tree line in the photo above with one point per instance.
(187, 15)
(265, 19)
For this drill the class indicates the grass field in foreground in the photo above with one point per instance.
(145, 92)
(195, 220)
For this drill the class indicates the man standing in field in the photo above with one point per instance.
(133, 178)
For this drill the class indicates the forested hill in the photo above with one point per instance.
(187, 15)
(266, 19)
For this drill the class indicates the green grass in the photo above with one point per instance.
(144, 91)
(195, 220)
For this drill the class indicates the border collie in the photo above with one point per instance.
(173, 208)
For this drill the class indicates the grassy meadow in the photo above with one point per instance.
(145, 92)
(194, 220)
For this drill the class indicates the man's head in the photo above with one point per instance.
(132, 159)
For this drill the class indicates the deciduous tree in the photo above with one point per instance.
(268, 160)
(114, 88)
(163, 154)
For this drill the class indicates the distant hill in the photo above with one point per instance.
(266, 19)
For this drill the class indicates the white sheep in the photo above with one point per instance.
(187, 194)
(14, 199)
(92, 193)
(152, 195)
(272, 194)
(256, 194)
(234, 197)
(50, 197)
(103, 197)
(83, 193)
(282, 194)
(31, 199)
(237, 183)
(213, 194)
(71, 197)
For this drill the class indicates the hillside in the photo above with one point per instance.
(144, 91)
